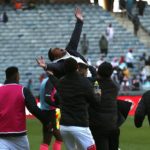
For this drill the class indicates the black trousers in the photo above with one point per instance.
(104, 139)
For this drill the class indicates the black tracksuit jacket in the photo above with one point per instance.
(76, 94)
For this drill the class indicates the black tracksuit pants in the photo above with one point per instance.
(105, 139)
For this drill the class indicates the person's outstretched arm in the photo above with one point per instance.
(74, 41)
(30, 103)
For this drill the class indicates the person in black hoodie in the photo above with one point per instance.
(103, 120)
(123, 108)
(76, 94)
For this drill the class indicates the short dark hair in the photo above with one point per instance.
(105, 70)
(11, 72)
(70, 65)
(50, 55)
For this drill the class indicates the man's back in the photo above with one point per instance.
(75, 92)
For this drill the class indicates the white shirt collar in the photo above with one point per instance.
(78, 59)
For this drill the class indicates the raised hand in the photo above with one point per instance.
(41, 62)
(78, 13)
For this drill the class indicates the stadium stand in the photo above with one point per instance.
(30, 33)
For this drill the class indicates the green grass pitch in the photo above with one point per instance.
(131, 138)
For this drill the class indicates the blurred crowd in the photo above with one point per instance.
(128, 74)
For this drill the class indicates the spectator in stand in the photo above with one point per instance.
(143, 77)
(126, 72)
(129, 58)
(4, 17)
(103, 45)
(142, 110)
(141, 7)
(13, 100)
(125, 84)
(122, 63)
(129, 7)
(142, 59)
(84, 44)
(110, 33)
(135, 83)
(136, 24)
(17, 4)
(146, 75)
(115, 62)
(146, 69)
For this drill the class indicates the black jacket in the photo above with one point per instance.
(76, 95)
(106, 115)
(142, 110)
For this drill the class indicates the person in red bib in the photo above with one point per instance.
(13, 100)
